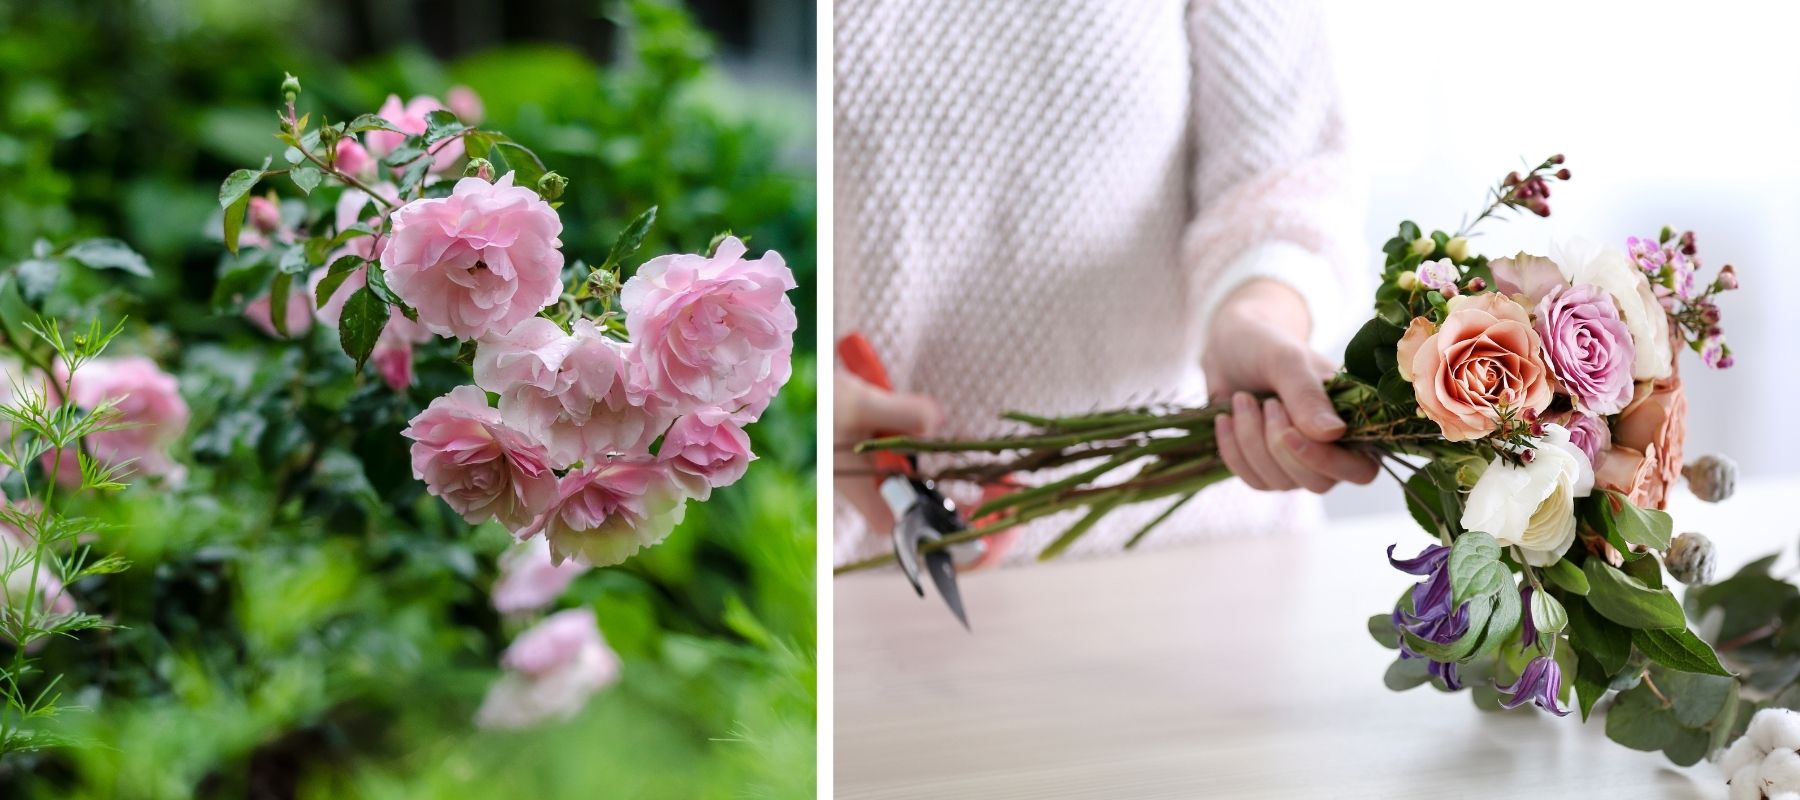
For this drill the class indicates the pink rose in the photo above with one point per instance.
(465, 103)
(1654, 424)
(1483, 359)
(1527, 276)
(607, 511)
(529, 580)
(299, 313)
(1589, 434)
(478, 465)
(570, 391)
(477, 262)
(706, 450)
(1587, 346)
(354, 159)
(551, 671)
(411, 119)
(712, 332)
(393, 353)
(349, 210)
(148, 405)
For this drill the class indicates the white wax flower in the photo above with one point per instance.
(1610, 268)
(1532, 506)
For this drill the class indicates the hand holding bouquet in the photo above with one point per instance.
(1531, 407)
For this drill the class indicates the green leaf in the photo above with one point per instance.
(371, 122)
(1628, 601)
(378, 284)
(1567, 577)
(293, 260)
(510, 156)
(1590, 684)
(1407, 673)
(1678, 649)
(1504, 621)
(1381, 628)
(340, 271)
(1695, 699)
(1751, 599)
(1375, 336)
(1688, 747)
(409, 151)
(13, 313)
(306, 178)
(1547, 613)
(1424, 500)
(278, 297)
(1605, 642)
(1395, 390)
(1475, 568)
(441, 125)
(1639, 721)
(109, 254)
(629, 239)
(238, 184)
(1641, 526)
(234, 221)
(360, 326)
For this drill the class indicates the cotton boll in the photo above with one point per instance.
(1775, 729)
(1745, 784)
(1742, 753)
(1781, 771)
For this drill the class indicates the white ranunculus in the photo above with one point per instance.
(1609, 268)
(1532, 506)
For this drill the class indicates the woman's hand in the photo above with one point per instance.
(1257, 343)
(859, 412)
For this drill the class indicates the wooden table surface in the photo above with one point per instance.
(1241, 668)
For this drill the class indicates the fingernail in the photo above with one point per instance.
(1243, 403)
(1328, 421)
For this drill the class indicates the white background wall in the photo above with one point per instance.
(1686, 114)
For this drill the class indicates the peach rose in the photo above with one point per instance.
(1630, 472)
(1654, 424)
(1485, 357)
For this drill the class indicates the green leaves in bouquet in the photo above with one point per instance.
(1475, 567)
(1682, 714)
(1625, 525)
(1372, 352)
(1480, 578)
(1628, 601)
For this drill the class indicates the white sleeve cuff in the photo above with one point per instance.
(1328, 300)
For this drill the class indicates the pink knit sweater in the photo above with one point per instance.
(1039, 204)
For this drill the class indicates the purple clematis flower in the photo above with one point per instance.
(1538, 684)
(1431, 618)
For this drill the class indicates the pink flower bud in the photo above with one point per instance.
(264, 215)
(1728, 278)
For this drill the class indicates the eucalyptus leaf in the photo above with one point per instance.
(1695, 699)
(1407, 673)
(1639, 721)
(1381, 629)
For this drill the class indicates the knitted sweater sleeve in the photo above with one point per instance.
(1270, 181)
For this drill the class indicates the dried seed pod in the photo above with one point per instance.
(1711, 478)
(1690, 559)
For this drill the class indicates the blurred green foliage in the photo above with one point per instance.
(300, 619)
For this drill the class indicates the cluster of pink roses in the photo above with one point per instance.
(1573, 349)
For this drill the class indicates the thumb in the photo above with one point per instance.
(1299, 384)
(870, 409)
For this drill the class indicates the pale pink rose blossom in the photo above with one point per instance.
(706, 450)
(354, 159)
(587, 412)
(551, 671)
(149, 406)
(606, 512)
(299, 313)
(411, 119)
(393, 353)
(481, 467)
(530, 354)
(529, 580)
(477, 262)
(349, 210)
(712, 332)
(465, 103)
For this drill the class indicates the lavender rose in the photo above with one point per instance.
(1588, 346)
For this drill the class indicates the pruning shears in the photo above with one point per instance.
(921, 513)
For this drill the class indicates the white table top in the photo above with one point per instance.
(1241, 668)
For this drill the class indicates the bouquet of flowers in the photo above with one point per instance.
(1532, 410)
(593, 409)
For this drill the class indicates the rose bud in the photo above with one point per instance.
(1477, 284)
(1562, 174)
(264, 215)
(1711, 478)
(1457, 248)
(1690, 559)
